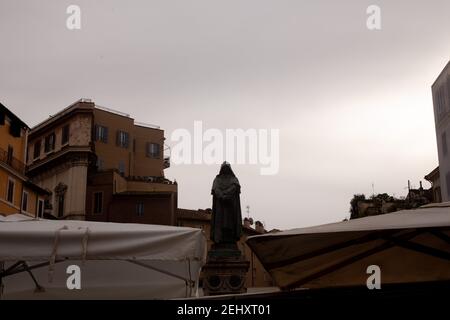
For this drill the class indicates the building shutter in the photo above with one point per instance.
(105, 136)
(125, 135)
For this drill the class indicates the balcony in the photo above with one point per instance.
(7, 158)
(166, 156)
(166, 162)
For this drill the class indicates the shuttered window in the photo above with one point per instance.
(101, 133)
(153, 150)
(122, 139)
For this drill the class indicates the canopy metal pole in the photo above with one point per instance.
(191, 282)
(441, 235)
(13, 269)
(18, 267)
(388, 244)
(420, 248)
(364, 239)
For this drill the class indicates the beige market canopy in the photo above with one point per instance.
(409, 246)
(117, 260)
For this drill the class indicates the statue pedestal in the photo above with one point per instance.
(225, 271)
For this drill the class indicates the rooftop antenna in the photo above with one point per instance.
(248, 211)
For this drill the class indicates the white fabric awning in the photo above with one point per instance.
(408, 246)
(139, 260)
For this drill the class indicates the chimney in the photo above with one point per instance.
(421, 185)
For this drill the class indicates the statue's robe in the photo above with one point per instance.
(226, 220)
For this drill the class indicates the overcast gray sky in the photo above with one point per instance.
(353, 106)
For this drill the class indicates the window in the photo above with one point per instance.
(153, 150)
(48, 204)
(37, 149)
(122, 139)
(100, 163)
(40, 211)
(98, 202)
(50, 142)
(15, 129)
(140, 209)
(65, 134)
(447, 180)
(10, 191)
(122, 167)
(101, 133)
(61, 205)
(25, 201)
(444, 143)
(10, 155)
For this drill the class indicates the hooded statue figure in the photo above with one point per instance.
(226, 220)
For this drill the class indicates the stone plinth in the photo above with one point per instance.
(225, 271)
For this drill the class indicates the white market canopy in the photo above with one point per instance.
(117, 260)
(409, 246)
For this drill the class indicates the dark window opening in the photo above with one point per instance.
(10, 155)
(15, 129)
(140, 209)
(50, 142)
(37, 149)
(122, 168)
(100, 163)
(40, 210)
(98, 202)
(60, 206)
(10, 191)
(25, 202)
(65, 134)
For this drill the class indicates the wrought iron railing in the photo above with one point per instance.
(166, 155)
(11, 161)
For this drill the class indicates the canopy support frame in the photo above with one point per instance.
(341, 264)
(22, 266)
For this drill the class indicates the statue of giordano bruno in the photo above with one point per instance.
(226, 268)
(226, 220)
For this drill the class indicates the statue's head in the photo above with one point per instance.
(225, 168)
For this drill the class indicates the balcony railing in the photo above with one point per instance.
(11, 161)
(166, 162)
(166, 153)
